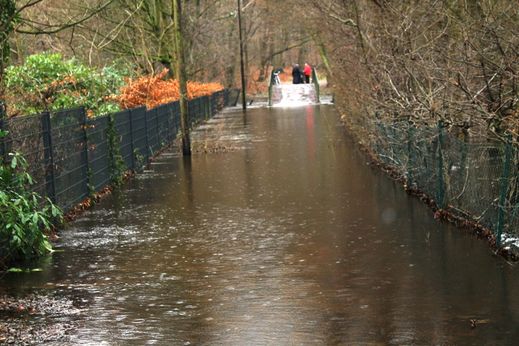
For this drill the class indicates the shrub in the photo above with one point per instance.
(25, 216)
(48, 82)
(151, 91)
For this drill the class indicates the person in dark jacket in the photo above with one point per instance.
(296, 75)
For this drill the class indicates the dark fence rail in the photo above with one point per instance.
(71, 156)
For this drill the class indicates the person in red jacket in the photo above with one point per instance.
(308, 72)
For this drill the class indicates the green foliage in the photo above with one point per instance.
(25, 215)
(48, 82)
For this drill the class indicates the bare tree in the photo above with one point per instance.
(18, 17)
(425, 61)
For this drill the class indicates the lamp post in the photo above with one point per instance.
(242, 63)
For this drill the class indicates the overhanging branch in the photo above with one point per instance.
(59, 27)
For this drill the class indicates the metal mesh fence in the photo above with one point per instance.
(152, 127)
(26, 134)
(98, 152)
(164, 122)
(477, 181)
(139, 135)
(71, 156)
(123, 128)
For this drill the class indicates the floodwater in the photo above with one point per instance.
(279, 233)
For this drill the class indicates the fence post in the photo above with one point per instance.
(190, 110)
(173, 122)
(213, 102)
(3, 139)
(270, 87)
(410, 139)
(132, 145)
(464, 153)
(50, 184)
(202, 108)
(207, 107)
(3, 145)
(196, 111)
(382, 151)
(201, 113)
(88, 172)
(440, 192)
(117, 165)
(2, 110)
(169, 123)
(503, 189)
(157, 123)
(226, 98)
(315, 81)
(148, 149)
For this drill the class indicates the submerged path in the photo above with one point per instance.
(287, 95)
(282, 235)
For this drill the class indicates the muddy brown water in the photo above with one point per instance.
(280, 235)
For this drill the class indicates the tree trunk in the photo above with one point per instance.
(242, 63)
(7, 12)
(180, 73)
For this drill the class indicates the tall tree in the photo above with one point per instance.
(242, 59)
(180, 73)
(7, 18)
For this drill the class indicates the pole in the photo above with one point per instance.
(46, 133)
(3, 133)
(440, 193)
(242, 63)
(410, 162)
(503, 189)
(180, 74)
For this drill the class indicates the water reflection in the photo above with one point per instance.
(290, 240)
(310, 132)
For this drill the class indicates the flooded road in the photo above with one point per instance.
(279, 235)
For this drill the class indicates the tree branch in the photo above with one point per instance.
(60, 27)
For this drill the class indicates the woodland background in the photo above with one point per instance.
(408, 76)
(423, 61)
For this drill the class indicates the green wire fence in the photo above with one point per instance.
(473, 180)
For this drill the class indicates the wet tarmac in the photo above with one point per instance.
(276, 232)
